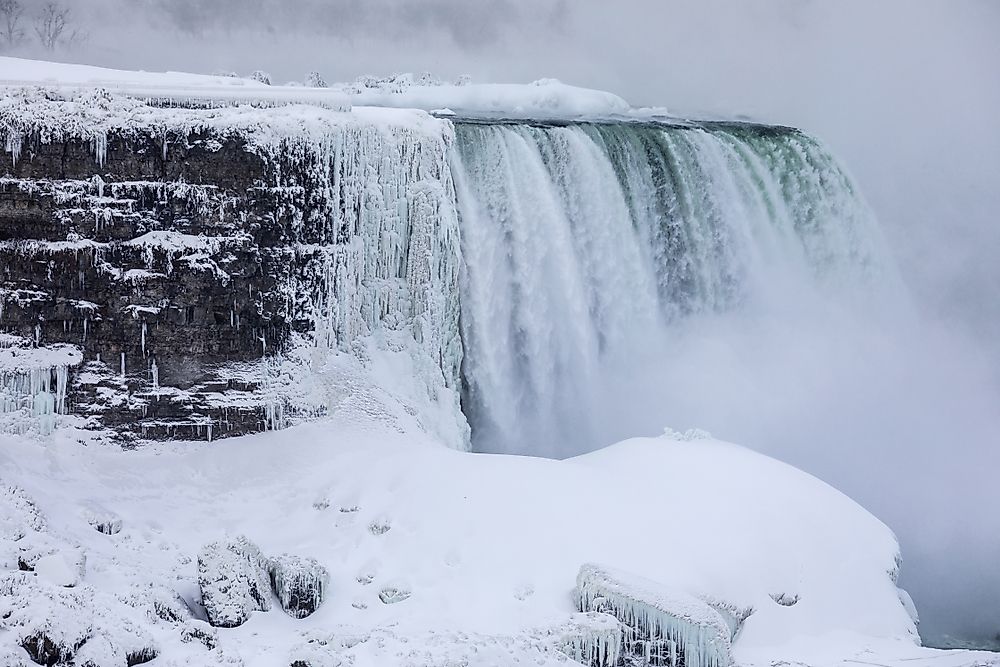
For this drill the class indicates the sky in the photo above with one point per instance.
(906, 92)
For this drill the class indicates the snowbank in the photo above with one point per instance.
(165, 86)
(546, 98)
(483, 546)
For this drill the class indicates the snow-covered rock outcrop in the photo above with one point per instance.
(232, 576)
(174, 256)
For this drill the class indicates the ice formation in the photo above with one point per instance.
(33, 384)
(591, 638)
(663, 626)
(301, 584)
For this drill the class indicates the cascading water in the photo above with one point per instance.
(585, 244)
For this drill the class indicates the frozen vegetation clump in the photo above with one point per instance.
(300, 583)
(261, 76)
(71, 626)
(662, 626)
(315, 80)
(19, 515)
(233, 579)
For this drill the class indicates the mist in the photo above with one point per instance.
(899, 409)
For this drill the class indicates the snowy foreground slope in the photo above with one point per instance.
(442, 557)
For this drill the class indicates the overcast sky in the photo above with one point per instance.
(907, 92)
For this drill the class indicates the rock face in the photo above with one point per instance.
(233, 580)
(180, 250)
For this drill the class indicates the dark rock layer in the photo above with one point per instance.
(175, 263)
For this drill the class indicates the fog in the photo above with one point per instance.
(900, 411)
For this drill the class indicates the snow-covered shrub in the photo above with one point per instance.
(261, 76)
(70, 626)
(661, 625)
(316, 80)
(50, 623)
(300, 583)
(463, 80)
(233, 579)
(159, 602)
(18, 514)
(199, 631)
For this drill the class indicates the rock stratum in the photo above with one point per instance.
(155, 259)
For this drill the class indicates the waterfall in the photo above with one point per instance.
(585, 244)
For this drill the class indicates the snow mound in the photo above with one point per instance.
(546, 98)
(487, 548)
(173, 87)
(671, 625)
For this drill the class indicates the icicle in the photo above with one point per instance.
(123, 365)
(657, 619)
(143, 338)
(154, 372)
(100, 147)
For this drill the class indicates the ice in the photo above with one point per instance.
(301, 584)
(672, 627)
(33, 384)
(591, 638)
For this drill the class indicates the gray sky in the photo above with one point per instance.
(907, 92)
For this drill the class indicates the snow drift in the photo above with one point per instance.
(484, 545)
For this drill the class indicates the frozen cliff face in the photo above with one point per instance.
(180, 250)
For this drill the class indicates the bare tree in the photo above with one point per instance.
(11, 32)
(53, 25)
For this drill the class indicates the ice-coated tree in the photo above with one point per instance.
(11, 17)
(262, 77)
(315, 80)
(54, 27)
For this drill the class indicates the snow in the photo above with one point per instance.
(545, 98)
(478, 554)
(167, 86)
